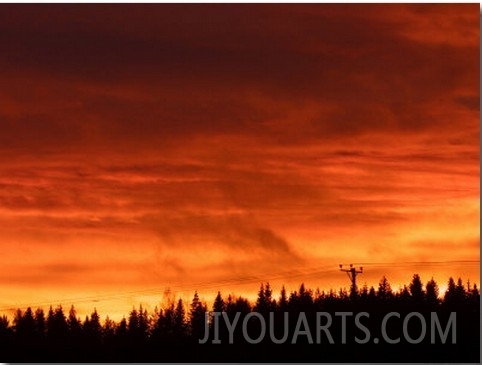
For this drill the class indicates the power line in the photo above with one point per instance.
(262, 277)
(182, 287)
(406, 263)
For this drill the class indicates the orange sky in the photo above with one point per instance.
(218, 146)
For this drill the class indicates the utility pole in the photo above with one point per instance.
(352, 272)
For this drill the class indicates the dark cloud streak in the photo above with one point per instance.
(174, 138)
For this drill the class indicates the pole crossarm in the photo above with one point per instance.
(352, 273)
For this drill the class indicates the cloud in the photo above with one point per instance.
(180, 141)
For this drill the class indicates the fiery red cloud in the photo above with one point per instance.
(218, 146)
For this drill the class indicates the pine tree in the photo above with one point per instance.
(108, 330)
(4, 324)
(180, 319)
(450, 293)
(364, 292)
(74, 324)
(404, 295)
(40, 324)
(283, 300)
(143, 322)
(57, 328)
(197, 317)
(475, 291)
(384, 289)
(432, 291)
(95, 328)
(121, 329)
(50, 322)
(167, 321)
(460, 292)
(416, 289)
(133, 324)
(5, 332)
(305, 299)
(27, 325)
(218, 305)
(242, 305)
(261, 302)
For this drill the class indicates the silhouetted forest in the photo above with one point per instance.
(172, 333)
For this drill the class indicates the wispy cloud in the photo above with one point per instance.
(172, 143)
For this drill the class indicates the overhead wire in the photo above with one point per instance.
(238, 280)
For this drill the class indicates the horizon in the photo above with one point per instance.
(173, 145)
(170, 296)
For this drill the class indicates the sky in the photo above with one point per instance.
(153, 150)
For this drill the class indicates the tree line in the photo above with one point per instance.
(172, 332)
